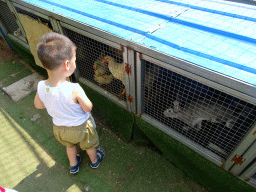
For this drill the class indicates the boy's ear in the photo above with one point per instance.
(66, 65)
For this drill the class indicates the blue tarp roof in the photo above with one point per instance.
(217, 35)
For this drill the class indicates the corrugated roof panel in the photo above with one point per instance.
(203, 62)
(199, 35)
(121, 22)
(151, 6)
(216, 21)
(229, 7)
(205, 49)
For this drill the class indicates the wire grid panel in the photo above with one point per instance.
(7, 18)
(99, 63)
(211, 118)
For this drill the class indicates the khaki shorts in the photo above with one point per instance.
(84, 134)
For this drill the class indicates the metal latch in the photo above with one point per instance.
(129, 98)
(128, 69)
(237, 160)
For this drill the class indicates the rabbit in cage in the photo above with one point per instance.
(194, 112)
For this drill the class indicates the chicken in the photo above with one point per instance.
(100, 68)
(103, 79)
(102, 75)
(117, 69)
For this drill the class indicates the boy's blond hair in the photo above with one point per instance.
(54, 49)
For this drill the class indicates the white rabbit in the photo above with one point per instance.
(195, 112)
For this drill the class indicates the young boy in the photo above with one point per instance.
(66, 102)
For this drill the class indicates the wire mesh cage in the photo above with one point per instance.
(99, 63)
(34, 16)
(211, 118)
(7, 18)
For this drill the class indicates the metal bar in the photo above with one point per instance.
(127, 83)
(56, 25)
(103, 92)
(252, 182)
(247, 174)
(194, 146)
(138, 82)
(132, 90)
(59, 27)
(53, 23)
(249, 156)
(244, 144)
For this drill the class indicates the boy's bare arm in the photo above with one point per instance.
(38, 103)
(83, 100)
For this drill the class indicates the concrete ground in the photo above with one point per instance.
(32, 160)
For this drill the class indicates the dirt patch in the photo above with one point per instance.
(6, 53)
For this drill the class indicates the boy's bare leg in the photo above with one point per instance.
(92, 154)
(72, 152)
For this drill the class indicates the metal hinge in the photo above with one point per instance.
(122, 48)
(26, 40)
(140, 56)
(128, 69)
(14, 16)
(129, 98)
(237, 160)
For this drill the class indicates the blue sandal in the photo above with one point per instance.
(100, 156)
(75, 169)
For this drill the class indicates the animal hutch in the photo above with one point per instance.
(185, 67)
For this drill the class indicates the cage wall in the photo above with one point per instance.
(210, 120)
(9, 23)
(8, 18)
(100, 64)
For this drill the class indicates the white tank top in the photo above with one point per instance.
(60, 106)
